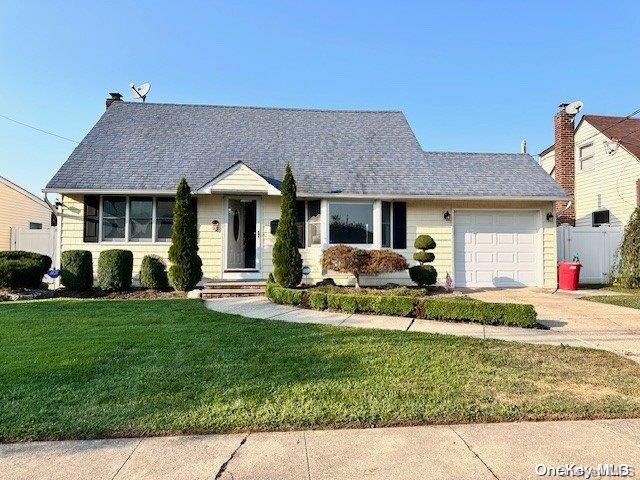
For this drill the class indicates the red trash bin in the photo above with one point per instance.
(568, 275)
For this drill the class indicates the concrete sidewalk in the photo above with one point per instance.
(474, 451)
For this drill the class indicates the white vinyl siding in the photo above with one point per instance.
(610, 185)
(423, 217)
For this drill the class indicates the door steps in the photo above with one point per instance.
(233, 289)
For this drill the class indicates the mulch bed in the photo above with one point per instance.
(132, 294)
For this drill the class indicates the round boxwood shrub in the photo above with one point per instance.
(424, 257)
(153, 273)
(115, 269)
(424, 242)
(20, 269)
(76, 269)
(423, 274)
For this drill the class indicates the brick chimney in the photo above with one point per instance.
(565, 162)
(115, 97)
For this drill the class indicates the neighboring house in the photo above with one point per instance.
(20, 209)
(599, 166)
(362, 179)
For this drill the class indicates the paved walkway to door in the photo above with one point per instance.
(474, 451)
(571, 321)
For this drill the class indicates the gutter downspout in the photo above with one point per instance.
(58, 214)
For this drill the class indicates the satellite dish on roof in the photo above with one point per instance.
(574, 107)
(140, 91)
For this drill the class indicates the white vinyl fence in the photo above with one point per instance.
(595, 247)
(40, 241)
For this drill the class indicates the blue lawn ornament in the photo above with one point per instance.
(54, 273)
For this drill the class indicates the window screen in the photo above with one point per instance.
(164, 218)
(140, 219)
(114, 211)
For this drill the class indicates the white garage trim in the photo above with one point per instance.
(537, 249)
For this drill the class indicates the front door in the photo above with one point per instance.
(242, 233)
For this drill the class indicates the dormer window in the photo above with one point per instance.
(585, 157)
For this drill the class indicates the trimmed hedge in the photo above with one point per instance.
(400, 306)
(43, 260)
(76, 269)
(512, 314)
(153, 273)
(317, 300)
(283, 296)
(115, 269)
(343, 302)
(454, 309)
(20, 269)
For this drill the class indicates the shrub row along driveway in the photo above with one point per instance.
(579, 322)
(571, 321)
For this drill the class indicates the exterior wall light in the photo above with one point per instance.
(216, 225)
(447, 216)
(549, 216)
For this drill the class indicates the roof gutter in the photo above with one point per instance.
(433, 197)
(367, 196)
(102, 191)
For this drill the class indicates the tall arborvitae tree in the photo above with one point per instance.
(186, 266)
(627, 273)
(287, 261)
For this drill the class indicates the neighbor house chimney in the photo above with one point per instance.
(565, 162)
(115, 97)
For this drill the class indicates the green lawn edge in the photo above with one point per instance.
(73, 369)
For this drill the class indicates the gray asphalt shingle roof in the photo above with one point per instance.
(147, 146)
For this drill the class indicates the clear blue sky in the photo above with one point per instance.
(470, 76)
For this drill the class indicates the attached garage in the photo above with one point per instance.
(500, 248)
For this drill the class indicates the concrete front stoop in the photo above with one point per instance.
(248, 288)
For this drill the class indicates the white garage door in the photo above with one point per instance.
(496, 248)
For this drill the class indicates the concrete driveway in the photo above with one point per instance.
(597, 325)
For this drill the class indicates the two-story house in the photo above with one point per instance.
(597, 162)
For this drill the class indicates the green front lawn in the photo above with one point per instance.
(109, 368)
(631, 301)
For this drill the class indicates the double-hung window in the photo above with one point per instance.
(129, 219)
(164, 218)
(114, 218)
(313, 222)
(351, 223)
(140, 219)
(394, 225)
(585, 157)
